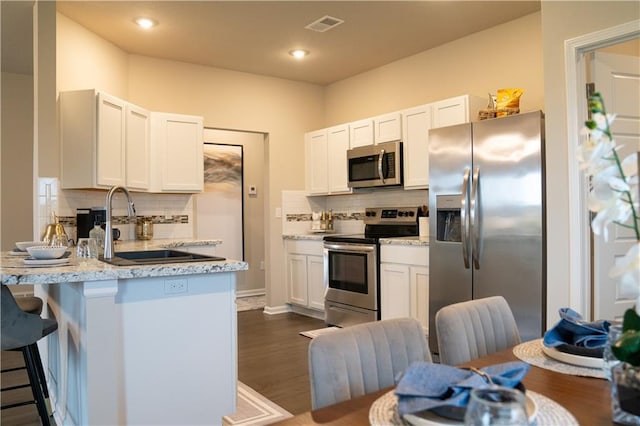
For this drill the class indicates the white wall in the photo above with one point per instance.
(562, 21)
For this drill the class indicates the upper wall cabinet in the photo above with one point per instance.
(97, 132)
(178, 146)
(387, 127)
(458, 110)
(416, 123)
(326, 161)
(361, 133)
(106, 141)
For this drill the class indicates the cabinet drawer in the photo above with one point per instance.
(405, 255)
(304, 247)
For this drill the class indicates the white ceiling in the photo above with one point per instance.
(255, 36)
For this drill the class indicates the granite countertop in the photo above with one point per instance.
(13, 271)
(316, 237)
(406, 241)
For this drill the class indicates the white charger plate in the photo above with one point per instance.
(582, 361)
(30, 261)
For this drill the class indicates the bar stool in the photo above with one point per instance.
(21, 331)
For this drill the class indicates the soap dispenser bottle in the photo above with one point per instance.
(97, 233)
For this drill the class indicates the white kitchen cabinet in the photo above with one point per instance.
(416, 123)
(138, 147)
(404, 282)
(457, 110)
(337, 146)
(304, 273)
(316, 179)
(361, 133)
(387, 127)
(326, 161)
(177, 151)
(92, 140)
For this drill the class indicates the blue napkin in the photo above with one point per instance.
(425, 386)
(573, 330)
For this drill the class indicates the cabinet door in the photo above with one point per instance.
(180, 143)
(315, 282)
(361, 133)
(110, 152)
(388, 127)
(138, 147)
(451, 111)
(395, 291)
(337, 146)
(416, 123)
(419, 283)
(297, 279)
(316, 180)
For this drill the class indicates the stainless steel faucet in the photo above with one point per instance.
(108, 232)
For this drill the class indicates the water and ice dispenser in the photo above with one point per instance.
(448, 218)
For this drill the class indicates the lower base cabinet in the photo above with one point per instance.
(404, 282)
(304, 273)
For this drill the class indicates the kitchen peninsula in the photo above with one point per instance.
(144, 344)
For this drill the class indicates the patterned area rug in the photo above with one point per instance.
(315, 333)
(254, 409)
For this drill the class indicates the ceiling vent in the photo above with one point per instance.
(324, 24)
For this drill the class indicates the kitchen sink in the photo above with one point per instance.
(152, 257)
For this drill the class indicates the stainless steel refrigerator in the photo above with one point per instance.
(487, 227)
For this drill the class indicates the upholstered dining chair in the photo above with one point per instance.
(473, 329)
(21, 331)
(363, 358)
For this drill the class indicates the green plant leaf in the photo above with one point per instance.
(627, 347)
(631, 320)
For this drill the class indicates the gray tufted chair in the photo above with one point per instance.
(363, 358)
(473, 329)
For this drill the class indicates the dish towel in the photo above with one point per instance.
(573, 330)
(425, 386)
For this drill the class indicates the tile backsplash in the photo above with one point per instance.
(172, 213)
(348, 210)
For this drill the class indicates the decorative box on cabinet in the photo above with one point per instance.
(104, 141)
(304, 273)
(404, 282)
(178, 147)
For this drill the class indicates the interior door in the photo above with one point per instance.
(617, 78)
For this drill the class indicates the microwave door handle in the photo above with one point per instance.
(474, 218)
(464, 225)
(380, 160)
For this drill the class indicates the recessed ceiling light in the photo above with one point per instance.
(146, 23)
(298, 53)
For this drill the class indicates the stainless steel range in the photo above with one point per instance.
(352, 265)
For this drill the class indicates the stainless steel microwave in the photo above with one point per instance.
(375, 165)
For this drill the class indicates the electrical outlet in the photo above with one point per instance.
(175, 286)
(262, 265)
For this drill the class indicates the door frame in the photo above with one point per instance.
(579, 222)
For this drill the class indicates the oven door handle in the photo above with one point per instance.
(353, 248)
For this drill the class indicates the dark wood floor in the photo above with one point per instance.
(272, 359)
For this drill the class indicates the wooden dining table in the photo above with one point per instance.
(587, 398)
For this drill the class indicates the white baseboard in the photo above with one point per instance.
(274, 310)
(307, 312)
(251, 293)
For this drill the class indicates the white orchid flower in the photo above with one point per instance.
(627, 270)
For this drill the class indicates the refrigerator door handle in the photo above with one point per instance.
(380, 160)
(474, 218)
(464, 225)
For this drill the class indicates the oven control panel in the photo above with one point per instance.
(391, 215)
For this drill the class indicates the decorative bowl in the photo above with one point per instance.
(46, 252)
(24, 245)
